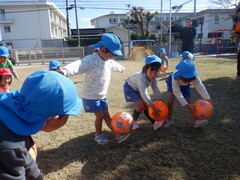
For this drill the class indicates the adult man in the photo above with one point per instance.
(188, 34)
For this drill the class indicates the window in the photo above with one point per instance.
(122, 19)
(216, 19)
(158, 27)
(2, 14)
(113, 20)
(210, 35)
(7, 29)
(157, 18)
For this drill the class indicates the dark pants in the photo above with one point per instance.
(238, 64)
(188, 47)
(15, 161)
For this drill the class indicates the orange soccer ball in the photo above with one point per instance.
(163, 68)
(122, 122)
(163, 108)
(203, 108)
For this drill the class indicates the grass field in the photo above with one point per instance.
(179, 152)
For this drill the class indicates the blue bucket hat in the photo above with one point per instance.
(162, 50)
(152, 59)
(187, 54)
(186, 69)
(43, 94)
(111, 42)
(54, 64)
(4, 52)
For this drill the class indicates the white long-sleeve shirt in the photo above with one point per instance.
(139, 82)
(197, 84)
(98, 75)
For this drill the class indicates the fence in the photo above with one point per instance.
(44, 55)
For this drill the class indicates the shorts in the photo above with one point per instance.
(95, 105)
(130, 94)
(185, 90)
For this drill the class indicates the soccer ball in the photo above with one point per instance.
(203, 108)
(122, 122)
(33, 152)
(163, 68)
(162, 107)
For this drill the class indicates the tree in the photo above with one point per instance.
(139, 14)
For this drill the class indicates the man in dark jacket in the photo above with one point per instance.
(188, 34)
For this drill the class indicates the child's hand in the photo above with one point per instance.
(55, 122)
(191, 109)
(156, 111)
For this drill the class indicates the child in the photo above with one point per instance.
(54, 66)
(163, 57)
(43, 103)
(178, 85)
(5, 80)
(98, 67)
(186, 55)
(5, 62)
(135, 90)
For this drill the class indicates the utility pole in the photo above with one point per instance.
(68, 30)
(78, 35)
(195, 16)
(128, 15)
(170, 30)
(161, 24)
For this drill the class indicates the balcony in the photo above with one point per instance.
(6, 20)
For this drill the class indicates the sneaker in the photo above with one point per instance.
(200, 123)
(158, 124)
(168, 123)
(101, 139)
(135, 126)
(122, 137)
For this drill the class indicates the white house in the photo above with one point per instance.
(24, 24)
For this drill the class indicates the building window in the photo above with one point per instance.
(158, 27)
(214, 35)
(122, 19)
(216, 19)
(7, 29)
(113, 20)
(2, 14)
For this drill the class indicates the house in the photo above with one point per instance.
(27, 24)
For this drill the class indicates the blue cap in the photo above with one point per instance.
(186, 69)
(152, 59)
(162, 50)
(54, 64)
(4, 52)
(43, 94)
(111, 42)
(187, 54)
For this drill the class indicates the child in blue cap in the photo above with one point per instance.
(98, 67)
(54, 65)
(186, 55)
(5, 62)
(135, 90)
(43, 103)
(178, 85)
(162, 55)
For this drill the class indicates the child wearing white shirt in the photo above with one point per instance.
(98, 67)
(178, 85)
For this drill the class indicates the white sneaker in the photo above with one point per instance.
(101, 139)
(135, 126)
(158, 124)
(122, 137)
(168, 123)
(200, 123)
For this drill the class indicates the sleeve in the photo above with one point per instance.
(167, 61)
(14, 73)
(201, 88)
(77, 67)
(143, 91)
(116, 67)
(177, 92)
(155, 89)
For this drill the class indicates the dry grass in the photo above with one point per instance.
(178, 152)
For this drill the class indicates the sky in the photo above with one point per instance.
(89, 9)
